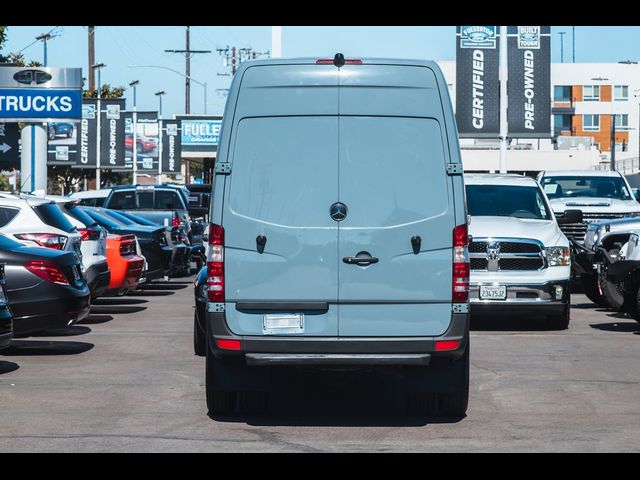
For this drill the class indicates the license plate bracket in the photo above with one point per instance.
(282, 323)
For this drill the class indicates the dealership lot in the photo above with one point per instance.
(126, 379)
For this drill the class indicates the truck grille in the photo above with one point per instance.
(513, 255)
(578, 230)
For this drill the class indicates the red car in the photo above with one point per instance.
(125, 265)
(143, 144)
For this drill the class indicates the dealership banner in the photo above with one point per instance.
(171, 146)
(200, 134)
(147, 141)
(477, 81)
(112, 134)
(529, 85)
(74, 144)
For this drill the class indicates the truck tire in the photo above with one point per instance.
(611, 292)
(218, 402)
(560, 321)
(591, 289)
(253, 403)
(421, 403)
(199, 338)
(454, 404)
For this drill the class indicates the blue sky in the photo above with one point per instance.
(120, 47)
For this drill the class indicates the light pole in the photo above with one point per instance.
(134, 142)
(99, 67)
(562, 34)
(202, 84)
(159, 95)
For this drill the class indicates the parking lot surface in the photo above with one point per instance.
(126, 380)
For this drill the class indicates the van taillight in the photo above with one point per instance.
(460, 287)
(215, 264)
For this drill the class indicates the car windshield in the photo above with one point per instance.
(580, 186)
(507, 201)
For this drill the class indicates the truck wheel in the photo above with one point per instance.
(560, 321)
(218, 402)
(199, 338)
(590, 287)
(252, 403)
(454, 404)
(421, 403)
(611, 292)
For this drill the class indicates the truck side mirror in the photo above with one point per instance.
(571, 216)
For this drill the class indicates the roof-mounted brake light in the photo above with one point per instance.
(339, 61)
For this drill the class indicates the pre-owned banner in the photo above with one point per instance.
(529, 85)
(171, 146)
(112, 134)
(477, 81)
(147, 139)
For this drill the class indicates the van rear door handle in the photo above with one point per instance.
(361, 261)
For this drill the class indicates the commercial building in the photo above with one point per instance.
(585, 96)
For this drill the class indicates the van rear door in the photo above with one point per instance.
(393, 181)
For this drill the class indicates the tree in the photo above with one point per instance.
(3, 40)
(107, 92)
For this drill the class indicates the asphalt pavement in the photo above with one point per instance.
(126, 380)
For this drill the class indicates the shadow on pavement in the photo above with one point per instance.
(95, 319)
(116, 309)
(584, 305)
(43, 347)
(118, 301)
(63, 332)
(8, 367)
(339, 398)
(163, 286)
(509, 323)
(150, 293)
(631, 327)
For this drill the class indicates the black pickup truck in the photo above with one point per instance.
(166, 205)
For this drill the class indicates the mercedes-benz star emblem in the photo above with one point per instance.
(338, 211)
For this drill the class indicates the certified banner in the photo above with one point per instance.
(477, 81)
(529, 86)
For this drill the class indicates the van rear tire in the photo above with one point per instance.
(218, 402)
(455, 404)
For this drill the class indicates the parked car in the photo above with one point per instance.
(93, 246)
(153, 242)
(176, 238)
(143, 144)
(165, 205)
(45, 287)
(329, 247)
(57, 129)
(38, 222)
(520, 259)
(125, 265)
(91, 198)
(6, 318)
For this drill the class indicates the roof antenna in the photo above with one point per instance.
(338, 60)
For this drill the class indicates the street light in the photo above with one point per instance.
(612, 138)
(159, 95)
(134, 142)
(202, 84)
(99, 67)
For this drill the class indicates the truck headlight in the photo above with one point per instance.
(558, 256)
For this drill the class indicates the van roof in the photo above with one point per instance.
(498, 179)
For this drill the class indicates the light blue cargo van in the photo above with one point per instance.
(338, 234)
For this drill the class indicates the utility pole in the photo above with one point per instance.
(44, 37)
(562, 34)
(234, 56)
(187, 52)
(92, 58)
(573, 46)
(134, 144)
(504, 127)
(613, 143)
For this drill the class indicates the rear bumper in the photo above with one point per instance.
(523, 297)
(292, 350)
(98, 278)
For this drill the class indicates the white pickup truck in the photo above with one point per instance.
(520, 259)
